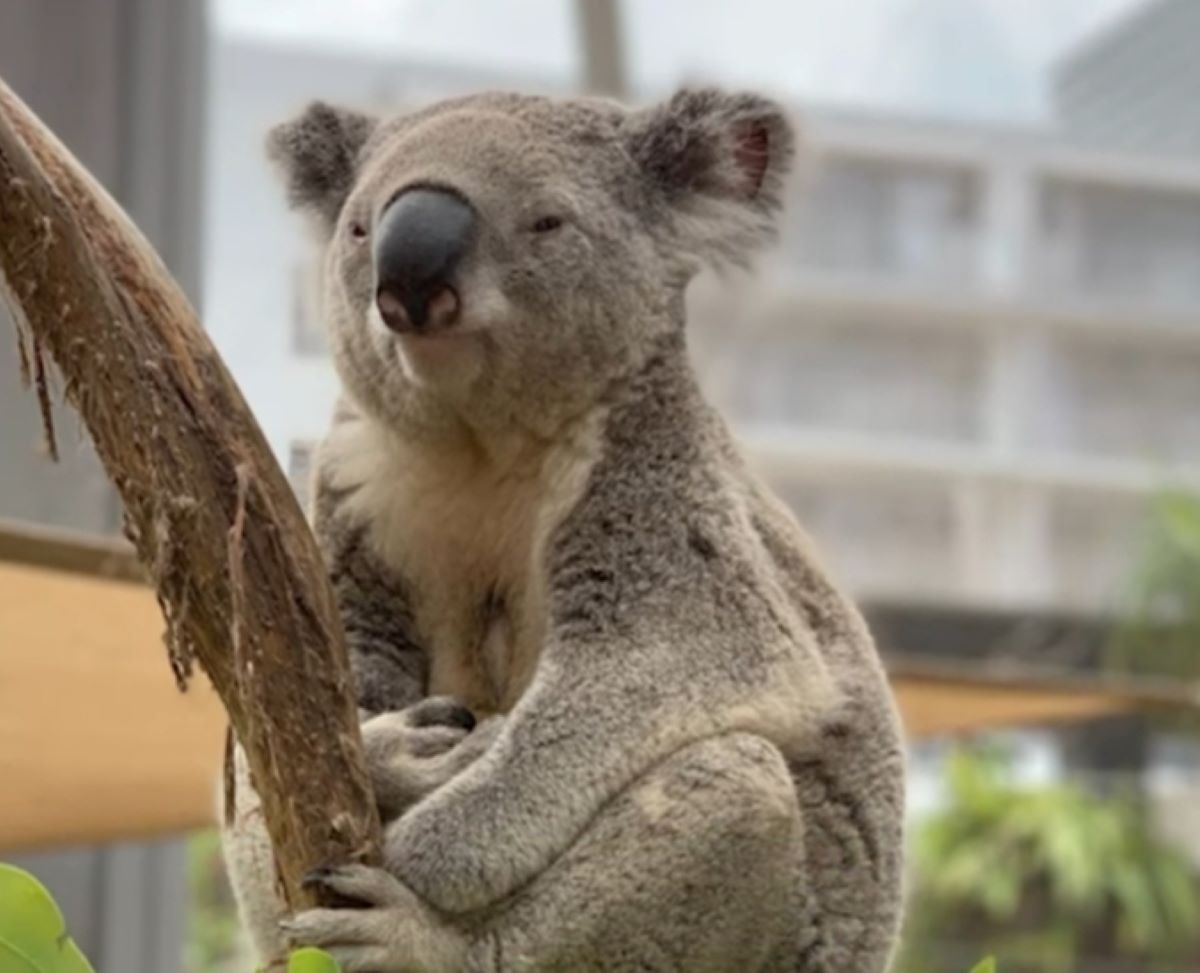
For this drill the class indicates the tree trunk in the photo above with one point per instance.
(236, 569)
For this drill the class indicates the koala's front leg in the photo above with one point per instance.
(390, 931)
(410, 753)
(556, 761)
(664, 630)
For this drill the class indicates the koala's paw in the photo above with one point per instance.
(392, 930)
(413, 751)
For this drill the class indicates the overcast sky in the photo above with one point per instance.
(965, 58)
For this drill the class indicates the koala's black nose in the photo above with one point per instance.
(419, 242)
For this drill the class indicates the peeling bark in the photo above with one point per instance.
(236, 569)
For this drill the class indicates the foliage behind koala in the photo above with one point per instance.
(688, 757)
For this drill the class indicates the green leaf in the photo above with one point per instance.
(309, 960)
(33, 935)
(985, 966)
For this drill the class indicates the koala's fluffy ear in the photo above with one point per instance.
(318, 153)
(720, 161)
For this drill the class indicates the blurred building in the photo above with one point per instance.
(1134, 85)
(974, 359)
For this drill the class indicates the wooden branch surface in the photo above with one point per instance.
(237, 571)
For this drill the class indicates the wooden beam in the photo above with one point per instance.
(47, 547)
(941, 699)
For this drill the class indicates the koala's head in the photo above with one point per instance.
(504, 259)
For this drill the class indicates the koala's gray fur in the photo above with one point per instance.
(691, 759)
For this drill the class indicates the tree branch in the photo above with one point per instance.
(237, 571)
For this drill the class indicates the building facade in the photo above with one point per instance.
(1134, 84)
(974, 360)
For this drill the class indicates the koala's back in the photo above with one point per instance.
(851, 791)
(839, 732)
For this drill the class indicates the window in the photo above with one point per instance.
(1122, 399)
(893, 218)
(1120, 243)
(884, 377)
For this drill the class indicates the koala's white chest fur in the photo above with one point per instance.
(467, 533)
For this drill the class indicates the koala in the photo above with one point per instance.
(617, 715)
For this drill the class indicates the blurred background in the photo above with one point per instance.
(972, 367)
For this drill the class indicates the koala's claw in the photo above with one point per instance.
(315, 877)
(330, 928)
(373, 887)
(440, 711)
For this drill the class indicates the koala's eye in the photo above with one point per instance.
(358, 231)
(547, 224)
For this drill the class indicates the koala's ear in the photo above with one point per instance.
(719, 160)
(318, 153)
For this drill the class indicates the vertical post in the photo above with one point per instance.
(599, 28)
(1007, 240)
(1006, 529)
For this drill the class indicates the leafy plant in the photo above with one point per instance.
(215, 942)
(1043, 876)
(309, 960)
(33, 933)
(1159, 630)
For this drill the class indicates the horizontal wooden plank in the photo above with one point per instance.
(48, 547)
(941, 698)
(931, 708)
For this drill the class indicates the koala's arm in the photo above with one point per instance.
(666, 628)
(409, 754)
